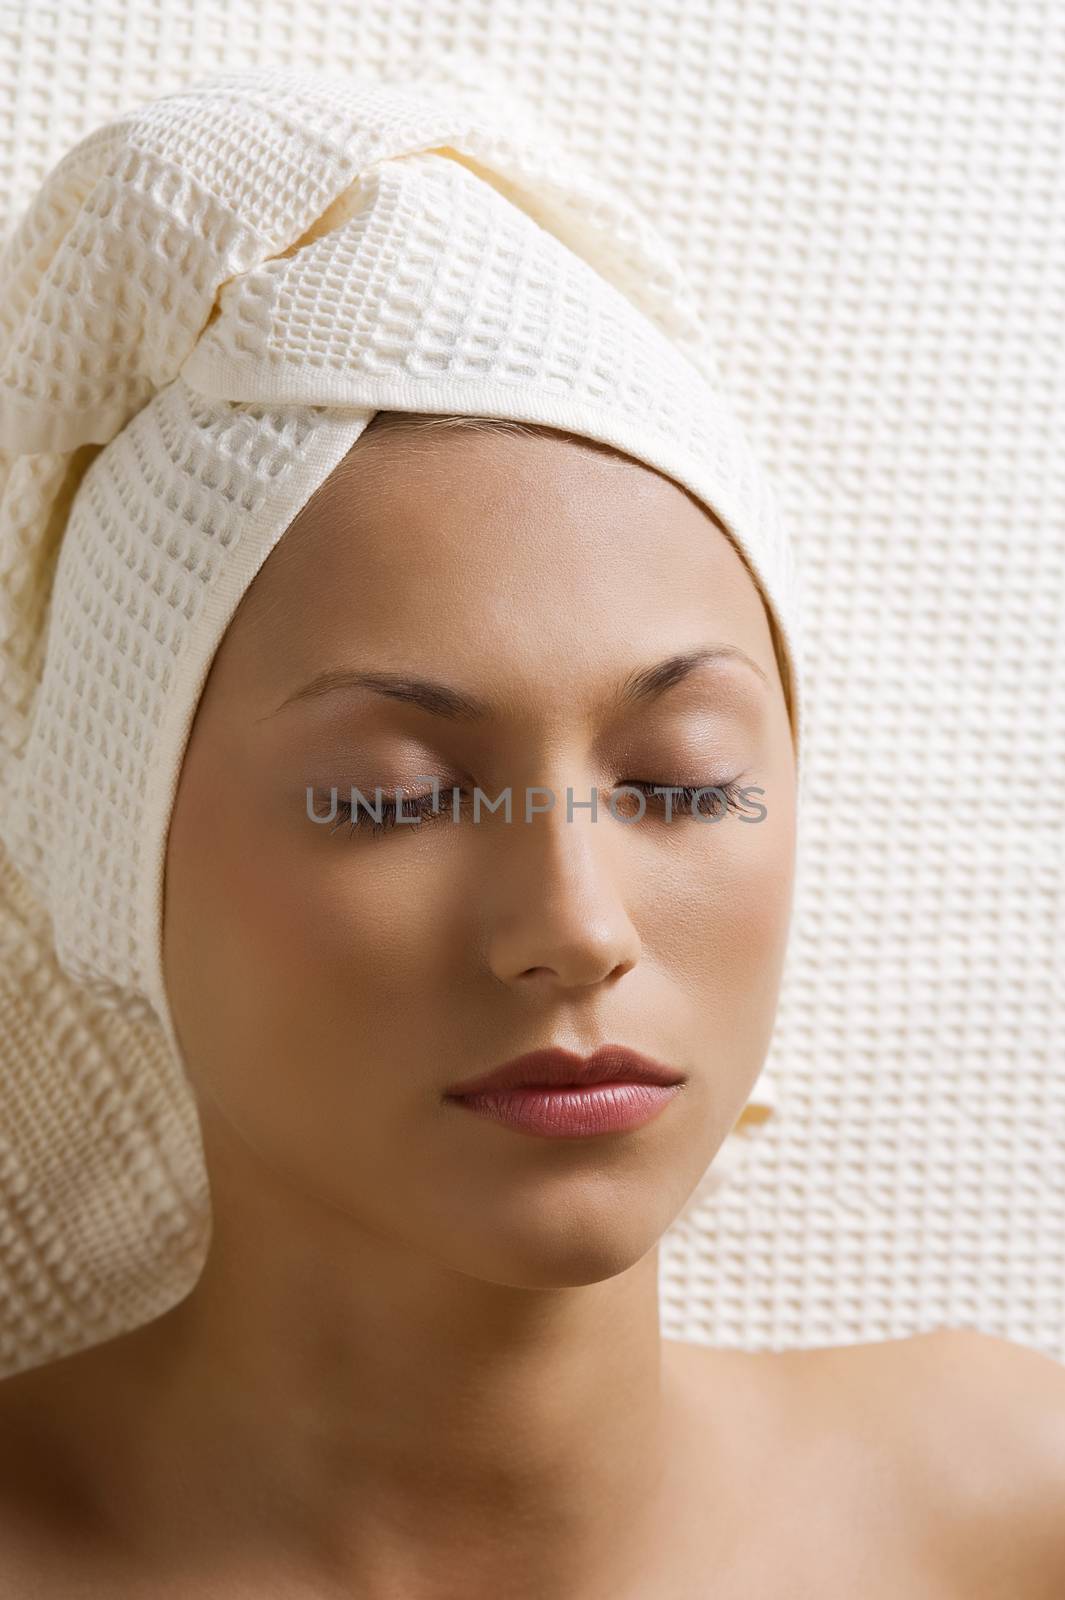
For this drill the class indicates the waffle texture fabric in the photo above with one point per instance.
(202, 309)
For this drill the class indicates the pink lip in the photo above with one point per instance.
(573, 1113)
(556, 1094)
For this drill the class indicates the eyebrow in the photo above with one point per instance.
(442, 700)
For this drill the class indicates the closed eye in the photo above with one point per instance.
(683, 802)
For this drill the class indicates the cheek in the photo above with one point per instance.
(286, 975)
(305, 936)
(235, 949)
(726, 909)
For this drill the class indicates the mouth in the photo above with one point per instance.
(556, 1094)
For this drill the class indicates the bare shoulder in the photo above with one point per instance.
(935, 1461)
(999, 1407)
(977, 1425)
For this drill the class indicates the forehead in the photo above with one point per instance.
(441, 537)
(400, 458)
(431, 489)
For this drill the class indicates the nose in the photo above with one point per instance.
(557, 917)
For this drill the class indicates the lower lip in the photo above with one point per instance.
(569, 1112)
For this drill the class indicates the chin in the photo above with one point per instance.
(553, 1246)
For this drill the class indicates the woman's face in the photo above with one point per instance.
(327, 986)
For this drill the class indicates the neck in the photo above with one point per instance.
(405, 1423)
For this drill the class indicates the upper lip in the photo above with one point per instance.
(611, 1063)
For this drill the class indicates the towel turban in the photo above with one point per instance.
(203, 307)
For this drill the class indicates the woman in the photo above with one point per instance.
(423, 1357)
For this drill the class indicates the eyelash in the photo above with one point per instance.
(421, 805)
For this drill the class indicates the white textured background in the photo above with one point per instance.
(870, 198)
